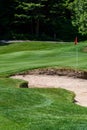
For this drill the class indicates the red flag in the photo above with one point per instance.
(76, 41)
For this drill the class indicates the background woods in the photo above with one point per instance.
(43, 19)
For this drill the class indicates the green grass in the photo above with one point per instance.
(39, 109)
(23, 56)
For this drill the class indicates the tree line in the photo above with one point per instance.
(43, 19)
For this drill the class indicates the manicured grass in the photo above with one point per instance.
(39, 109)
(23, 56)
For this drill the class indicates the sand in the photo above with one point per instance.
(77, 85)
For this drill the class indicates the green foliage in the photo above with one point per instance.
(79, 8)
(36, 18)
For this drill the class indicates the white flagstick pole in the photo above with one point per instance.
(76, 57)
(76, 44)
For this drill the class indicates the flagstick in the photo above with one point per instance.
(77, 60)
(76, 57)
(76, 45)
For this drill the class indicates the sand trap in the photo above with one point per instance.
(78, 86)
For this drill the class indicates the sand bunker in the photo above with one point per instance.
(77, 85)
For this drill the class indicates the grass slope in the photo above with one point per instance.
(39, 109)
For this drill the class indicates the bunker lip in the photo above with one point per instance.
(56, 71)
(58, 78)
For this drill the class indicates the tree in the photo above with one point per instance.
(79, 18)
(7, 9)
(42, 16)
(30, 13)
(36, 18)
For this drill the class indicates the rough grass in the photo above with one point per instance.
(39, 109)
(11, 83)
